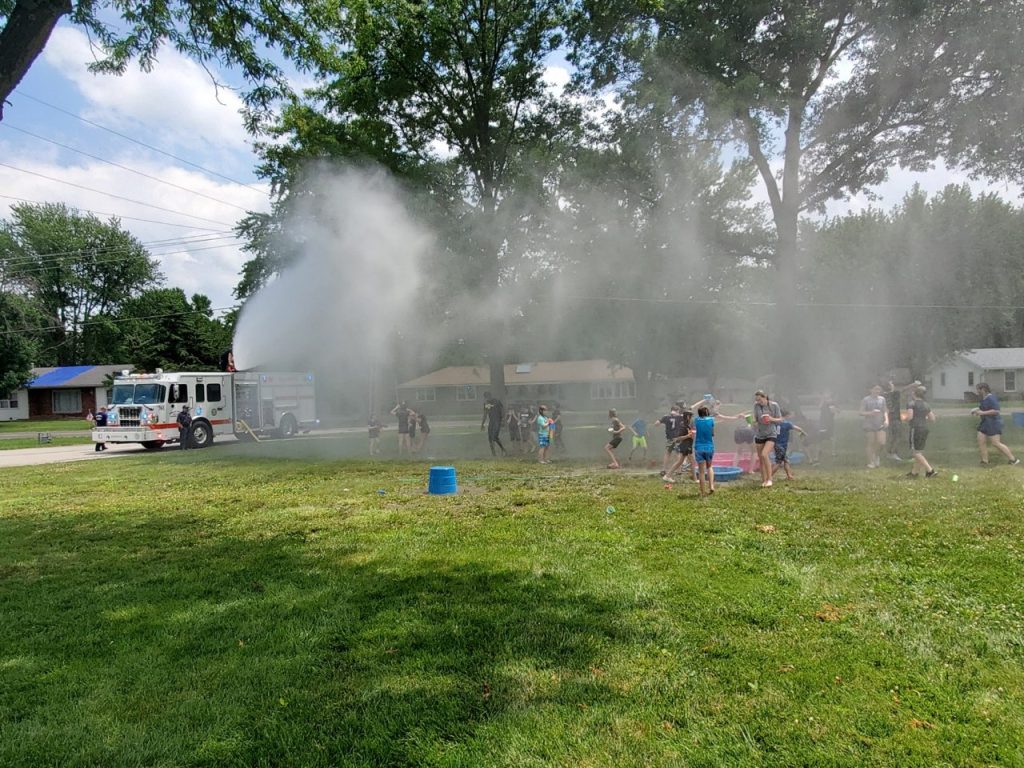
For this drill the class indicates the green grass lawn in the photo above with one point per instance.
(277, 604)
(56, 425)
(12, 443)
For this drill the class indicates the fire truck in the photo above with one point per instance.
(144, 407)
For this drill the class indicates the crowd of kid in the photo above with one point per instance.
(762, 440)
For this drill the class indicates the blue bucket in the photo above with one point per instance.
(442, 481)
(1018, 418)
(725, 474)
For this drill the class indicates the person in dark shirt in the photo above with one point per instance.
(893, 400)
(494, 415)
(424, 425)
(672, 422)
(100, 420)
(990, 428)
(921, 415)
(184, 428)
(401, 412)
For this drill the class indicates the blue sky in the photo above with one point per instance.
(175, 108)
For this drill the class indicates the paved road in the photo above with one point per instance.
(24, 457)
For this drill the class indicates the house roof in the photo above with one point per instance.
(74, 376)
(995, 357)
(525, 373)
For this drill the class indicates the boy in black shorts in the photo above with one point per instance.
(617, 428)
(921, 415)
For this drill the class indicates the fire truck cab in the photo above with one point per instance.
(144, 407)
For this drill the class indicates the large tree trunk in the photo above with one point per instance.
(23, 38)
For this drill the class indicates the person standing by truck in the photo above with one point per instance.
(184, 428)
(99, 420)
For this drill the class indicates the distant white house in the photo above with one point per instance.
(1001, 368)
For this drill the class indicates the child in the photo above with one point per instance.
(639, 430)
(555, 428)
(543, 435)
(424, 426)
(704, 449)
(920, 414)
(374, 427)
(744, 439)
(617, 428)
(671, 422)
(782, 442)
(514, 433)
(683, 447)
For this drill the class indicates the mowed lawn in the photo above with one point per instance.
(260, 606)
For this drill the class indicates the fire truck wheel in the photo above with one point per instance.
(153, 445)
(287, 427)
(202, 435)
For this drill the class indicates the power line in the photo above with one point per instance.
(115, 320)
(114, 260)
(168, 243)
(141, 143)
(117, 215)
(111, 194)
(124, 167)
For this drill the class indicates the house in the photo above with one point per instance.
(578, 385)
(64, 392)
(957, 375)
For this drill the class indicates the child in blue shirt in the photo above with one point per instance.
(782, 443)
(704, 449)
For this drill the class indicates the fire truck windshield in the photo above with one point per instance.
(138, 394)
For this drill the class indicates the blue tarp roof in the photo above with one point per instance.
(59, 376)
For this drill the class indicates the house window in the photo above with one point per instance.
(612, 390)
(1011, 381)
(67, 401)
(942, 379)
(467, 392)
(11, 401)
(426, 395)
(970, 378)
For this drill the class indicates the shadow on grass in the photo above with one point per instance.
(160, 643)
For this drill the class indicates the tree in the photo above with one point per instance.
(18, 347)
(161, 329)
(659, 230)
(834, 91)
(233, 33)
(450, 97)
(911, 286)
(77, 268)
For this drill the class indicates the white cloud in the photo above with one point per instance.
(176, 102)
(199, 257)
(555, 78)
